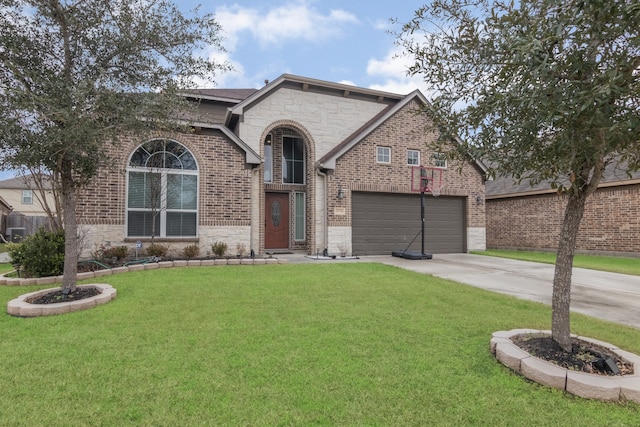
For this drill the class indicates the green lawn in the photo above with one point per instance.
(593, 262)
(5, 268)
(309, 344)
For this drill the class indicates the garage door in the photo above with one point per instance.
(384, 222)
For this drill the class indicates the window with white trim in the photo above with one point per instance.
(27, 197)
(383, 155)
(440, 160)
(162, 199)
(413, 157)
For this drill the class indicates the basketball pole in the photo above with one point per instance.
(422, 215)
(419, 183)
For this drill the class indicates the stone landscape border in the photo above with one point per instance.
(21, 308)
(11, 281)
(590, 386)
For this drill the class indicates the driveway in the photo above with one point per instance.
(608, 296)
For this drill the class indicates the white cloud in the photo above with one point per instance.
(291, 22)
(382, 25)
(392, 70)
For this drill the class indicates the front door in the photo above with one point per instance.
(276, 230)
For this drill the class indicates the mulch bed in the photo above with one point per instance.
(584, 356)
(59, 296)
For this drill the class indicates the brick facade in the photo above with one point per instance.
(224, 194)
(231, 186)
(358, 170)
(611, 223)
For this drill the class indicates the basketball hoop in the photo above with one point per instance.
(437, 190)
(427, 179)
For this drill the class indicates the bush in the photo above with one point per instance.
(191, 251)
(157, 250)
(16, 252)
(41, 254)
(219, 249)
(108, 253)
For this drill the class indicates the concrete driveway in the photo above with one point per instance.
(608, 296)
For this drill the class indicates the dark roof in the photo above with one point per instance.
(232, 95)
(615, 174)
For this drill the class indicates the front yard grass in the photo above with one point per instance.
(309, 344)
(5, 268)
(593, 262)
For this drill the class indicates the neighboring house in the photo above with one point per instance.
(525, 217)
(5, 210)
(28, 214)
(299, 164)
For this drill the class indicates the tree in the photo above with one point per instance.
(544, 91)
(77, 74)
(46, 186)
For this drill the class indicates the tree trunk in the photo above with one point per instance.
(68, 191)
(561, 299)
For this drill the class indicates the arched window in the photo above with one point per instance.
(162, 199)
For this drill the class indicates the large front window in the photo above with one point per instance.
(292, 160)
(162, 196)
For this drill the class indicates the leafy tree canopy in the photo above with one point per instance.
(544, 90)
(74, 74)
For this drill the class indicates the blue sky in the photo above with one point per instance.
(340, 41)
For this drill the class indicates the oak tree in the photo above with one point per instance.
(77, 74)
(546, 91)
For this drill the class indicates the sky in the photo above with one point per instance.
(339, 41)
(343, 41)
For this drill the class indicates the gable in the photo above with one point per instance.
(330, 112)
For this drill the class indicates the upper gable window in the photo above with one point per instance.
(383, 155)
(413, 157)
(162, 199)
(293, 160)
(440, 160)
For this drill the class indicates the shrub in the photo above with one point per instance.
(219, 249)
(108, 253)
(191, 251)
(16, 252)
(158, 250)
(41, 254)
(241, 250)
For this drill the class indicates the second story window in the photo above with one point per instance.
(27, 197)
(383, 155)
(292, 160)
(268, 159)
(413, 157)
(440, 160)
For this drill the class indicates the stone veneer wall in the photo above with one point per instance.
(328, 118)
(224, 195)
(611, 222)
(358, 170)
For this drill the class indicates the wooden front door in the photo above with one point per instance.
(276, 230)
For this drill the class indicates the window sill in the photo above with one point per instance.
(162, 239)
